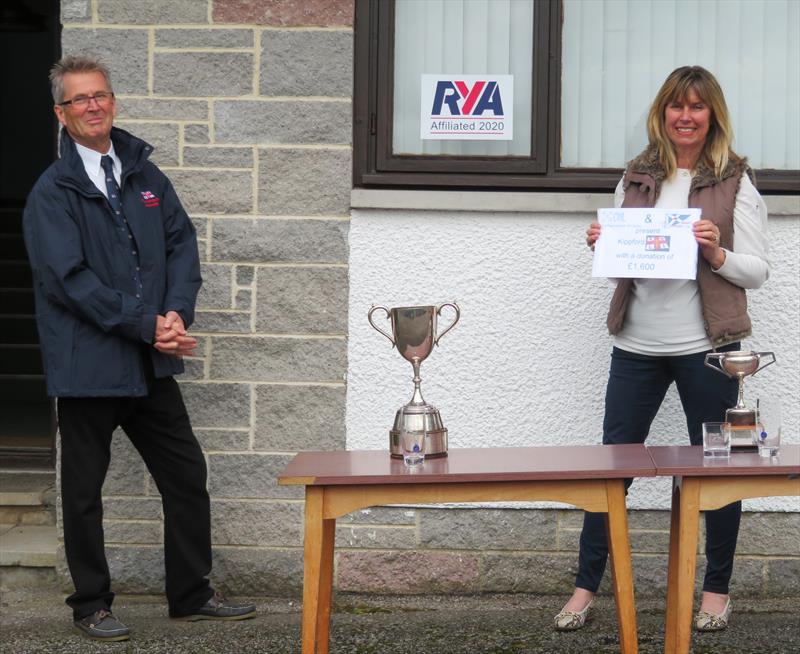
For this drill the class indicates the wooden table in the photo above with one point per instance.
(700, 484)
(588, 477)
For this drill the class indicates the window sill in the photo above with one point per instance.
(515, 202)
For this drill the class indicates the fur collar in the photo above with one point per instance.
(647, 163)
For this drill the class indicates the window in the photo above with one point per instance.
(584, 73)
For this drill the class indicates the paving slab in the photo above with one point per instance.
(36, 622)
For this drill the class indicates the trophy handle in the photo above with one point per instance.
(372, 310)
(452, 324)
(765, 354)
(715, 356)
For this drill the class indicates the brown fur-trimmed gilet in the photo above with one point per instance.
(724, 304)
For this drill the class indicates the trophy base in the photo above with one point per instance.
(743, 429)
(419, 417)
(435, 444)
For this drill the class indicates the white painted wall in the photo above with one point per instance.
(528, 363)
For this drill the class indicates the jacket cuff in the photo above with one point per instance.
(147, 329)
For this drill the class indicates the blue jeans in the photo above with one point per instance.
(636, 388)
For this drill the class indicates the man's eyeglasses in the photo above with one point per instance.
(82, 101)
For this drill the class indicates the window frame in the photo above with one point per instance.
(375, 166)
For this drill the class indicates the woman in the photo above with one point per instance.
(663, 328)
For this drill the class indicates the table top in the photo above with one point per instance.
(688, 461)
(471, 465)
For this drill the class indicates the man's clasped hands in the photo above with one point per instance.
(171, 337)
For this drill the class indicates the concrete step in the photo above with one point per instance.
(28, 546)
(27, 498)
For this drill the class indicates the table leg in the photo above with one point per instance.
(689, 525)
(672, 570)
(317, 573)
(619, 548)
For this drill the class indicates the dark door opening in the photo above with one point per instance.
(30, 41)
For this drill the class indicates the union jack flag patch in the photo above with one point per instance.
(149, 199)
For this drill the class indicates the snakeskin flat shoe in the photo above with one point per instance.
(709, 622)
(572, 620)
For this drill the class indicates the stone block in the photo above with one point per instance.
(782, 577)
(372, 537)
(407, 572)
(223, 439)
(258, 571)
(132, 508)
(748, 577)
(136, 569)
(203, 73)
(495, 529)
(223, 321)
(201, 227)
(217, 157)
(268, 240)
(769, 534)
(152, 12)
(124, 51)
(249, 476)
(380, 515)
(161, 109)
(217, 405)
(216, 290)
(126, 472)
(282, 122)
(294, 418)
(641, 541)
(141, 532)
(651, 520)
(307, 62)
(243, 300)
(245, 275)
(194, 369)
(196, 134)
(214, 191)
(162, 136)
(235, 522)
(547, 574)
(649, 575)
(324, 13)
(276, 359)
(204, 38)
(304, 181)
(302, 300)
(76, 11)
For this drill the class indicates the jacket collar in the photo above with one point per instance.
(132, 151)
(647, 164)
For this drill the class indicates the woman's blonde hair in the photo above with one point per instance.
(720, 134)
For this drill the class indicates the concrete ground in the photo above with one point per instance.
(37, 622)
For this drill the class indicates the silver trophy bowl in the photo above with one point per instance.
(414, 333)
(738, 365)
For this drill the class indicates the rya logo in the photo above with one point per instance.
(462, 100)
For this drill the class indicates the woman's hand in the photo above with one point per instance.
(706, 234)
(592, 234)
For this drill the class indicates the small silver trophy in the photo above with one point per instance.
(740, 364)
(414, 335)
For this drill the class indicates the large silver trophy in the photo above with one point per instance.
(738, 365)
(414, 335)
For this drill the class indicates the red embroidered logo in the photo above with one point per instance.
(149, 199)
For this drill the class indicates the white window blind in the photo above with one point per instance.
(468, 37)
(617, 53)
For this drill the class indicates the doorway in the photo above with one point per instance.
(30, 41)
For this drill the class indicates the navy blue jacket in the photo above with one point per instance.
(93, 328)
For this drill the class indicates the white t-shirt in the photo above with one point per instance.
(664, 316)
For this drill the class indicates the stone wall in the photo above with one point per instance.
(248, 106)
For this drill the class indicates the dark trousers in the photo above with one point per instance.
(159, 428)
(636, 388)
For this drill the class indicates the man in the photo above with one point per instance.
(116, 275)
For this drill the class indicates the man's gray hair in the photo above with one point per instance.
(74, 64)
